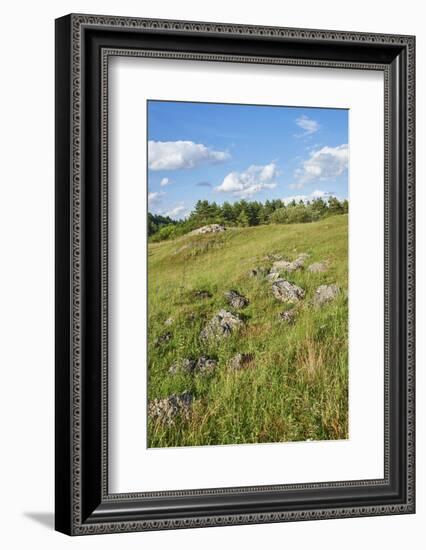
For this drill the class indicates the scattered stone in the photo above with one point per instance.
(301, 259)
(286, 291)
(318, 267)
(169, 321)
(325, 293)
(163, 339)
(212, 228)
(202, 365)
(288, 316)
(168, 409)
(202, 294)
(235, 299)
(184, 366)
(284, 265)
(241, 361)
(223, 324)
(205, 365)
(273, 276)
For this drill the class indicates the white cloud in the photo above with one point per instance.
(177, 212)
(176, 155)
(323, 164)
(165, 181)
(308, 125)
(305, 198)
(321, 194)
(155, 197)
(251, 181)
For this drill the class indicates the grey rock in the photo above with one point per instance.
(222, 325)
(283, 265)
(286, 266)
(318, 267)
(184, 366)
(202, 294)
(241, 361)
(163, 339)
(299, 262)
(303, 256)
(212, 228)
(325, 293)
(286, 291)
(205, 365)
(287, 316)
(273, 276)
(168, 409)
(235, 299)
(202, 365)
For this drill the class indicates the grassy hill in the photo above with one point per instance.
(296, 387)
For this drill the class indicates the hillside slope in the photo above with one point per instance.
(295, 384)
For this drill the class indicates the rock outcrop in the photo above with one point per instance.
(241, 361)
(168, 409)
(201, 294)
(288, 316)
(223, 324)
(212, 228)
(318, 267)
(235, 299)
(273, 276)
(324, 294)
(202, 365)
(286, 266)
(287, 292)
(163, 339)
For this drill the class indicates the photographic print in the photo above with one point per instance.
(234, 274)
(247, 274)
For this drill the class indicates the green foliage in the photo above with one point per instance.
(299, 213)
(156, 222)
(279, 216)
(334, 206)
(244, 214)
(243, 219)
(297, 387)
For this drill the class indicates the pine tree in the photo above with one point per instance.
(243, 219)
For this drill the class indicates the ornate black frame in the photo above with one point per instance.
(83, 46)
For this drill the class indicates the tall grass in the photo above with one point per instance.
(296, 388)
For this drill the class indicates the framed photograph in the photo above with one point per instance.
(234, 274)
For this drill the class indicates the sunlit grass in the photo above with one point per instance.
(297, 386)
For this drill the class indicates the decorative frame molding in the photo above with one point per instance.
(84, 44)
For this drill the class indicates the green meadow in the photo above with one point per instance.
(296, 386)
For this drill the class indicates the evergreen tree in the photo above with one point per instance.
(334, 206)
(244, 213)
(243, 219)
(228, 213)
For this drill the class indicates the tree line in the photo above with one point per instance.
(244, 214)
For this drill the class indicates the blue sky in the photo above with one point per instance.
(223, 152)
